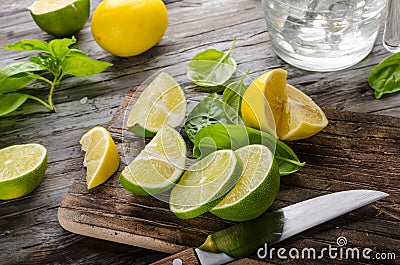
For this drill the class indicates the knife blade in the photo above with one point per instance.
(245, 238)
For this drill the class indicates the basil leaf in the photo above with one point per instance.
(48, 62)
(15, 82)
(11, 102)
(232, 97)
(59, 47)
(28, 45)
(83, 66)
(20, 67)
(229, 136)
(385, 77)
(211, 67)
(207, 112)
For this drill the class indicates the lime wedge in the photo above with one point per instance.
(101, 158)
(205, 183)
(158, 166)
(22, 168)
(162, 103)
(256, 189)
(61, 18)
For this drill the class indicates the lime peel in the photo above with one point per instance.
(22, 167)
(205, 183)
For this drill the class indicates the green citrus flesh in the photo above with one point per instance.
(205, 183)
(59, 17)
(22, 167)
(162, 102)
(158, 166)
(256, 189)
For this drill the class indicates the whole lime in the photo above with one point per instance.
(61, 18)
(129, 27)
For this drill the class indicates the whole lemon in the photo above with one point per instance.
(129, 27)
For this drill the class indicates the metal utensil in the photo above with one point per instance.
(391, 35)
(245, 238)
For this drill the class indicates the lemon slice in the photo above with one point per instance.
(256, 189)
(295, 115)
(205, 183)
(101, 158)
(22, 168)
(158, 166)
(61, 18)
(162, 103)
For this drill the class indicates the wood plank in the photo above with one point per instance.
(355, 151)
(29, 230)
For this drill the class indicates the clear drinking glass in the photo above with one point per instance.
(323, 35)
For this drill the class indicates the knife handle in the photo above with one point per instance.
(186, 257)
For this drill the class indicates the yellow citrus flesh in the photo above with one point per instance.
(294, 115)
(129, 27)
(101, 158)
(162, 103)
(262, 101)
(301, 117)
(60, 18)
(22, 168)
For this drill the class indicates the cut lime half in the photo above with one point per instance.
(205, 183)
(61, 18)
(158, 166)
(256, 189)
(162, 102)
(22, 168)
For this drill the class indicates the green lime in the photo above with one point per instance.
(205, 183)
(256, 189)
(61, 18)
(162, 102)
(22, 167)
(158, 166)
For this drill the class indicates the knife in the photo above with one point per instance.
(245, 238)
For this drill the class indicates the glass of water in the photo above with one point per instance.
(323, 35)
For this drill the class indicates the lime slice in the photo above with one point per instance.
(61, 18)
(22, 168)
(162, 103)
(158, 166)
(256, 189)
(101, 158)
(205, 183)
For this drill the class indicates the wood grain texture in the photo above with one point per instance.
(185, 257)
(29, 229)
(355, 151)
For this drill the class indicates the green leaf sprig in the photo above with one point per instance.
(212, 68)
(56, 57)
(385, 77)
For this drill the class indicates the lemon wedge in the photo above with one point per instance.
(101, 158)
(273, 106)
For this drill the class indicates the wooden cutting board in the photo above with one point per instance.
(355, 151)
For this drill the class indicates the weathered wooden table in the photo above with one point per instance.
(29, 229)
